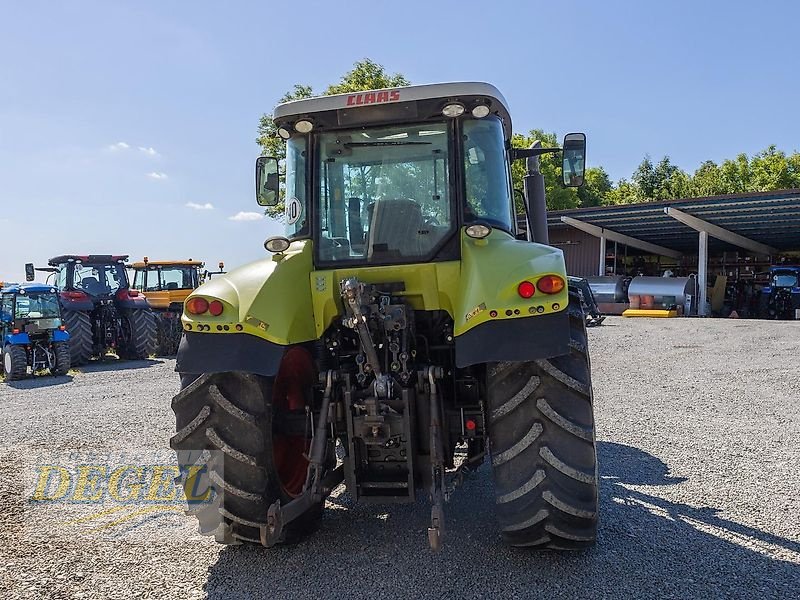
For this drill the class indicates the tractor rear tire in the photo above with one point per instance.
(231, 415)
(15, 362)
(81, 340)
(542, 439)
(168, 335)
(63, 360)
(143, 334)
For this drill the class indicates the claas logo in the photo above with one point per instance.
(373, 98)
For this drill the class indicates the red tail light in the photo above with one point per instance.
(14, 331)
(62, 328)
(526, 289)
(215, 308)
(197, 305)
(74, 295)
(550, 284)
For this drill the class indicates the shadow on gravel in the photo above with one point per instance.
(39, 381)
(650, 545)
(117, 364)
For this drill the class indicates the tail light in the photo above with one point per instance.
(550, 284)
(14, 331)
(215, 307)
(74, 295)
(124, 294)
(62, 327)
(197, 305)
(526, 289)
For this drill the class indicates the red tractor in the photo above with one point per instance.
(100, 309)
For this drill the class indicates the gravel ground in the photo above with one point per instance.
(698, 423)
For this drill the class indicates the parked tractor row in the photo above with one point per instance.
(89, 308)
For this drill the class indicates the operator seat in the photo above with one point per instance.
(91, 285)
(394, 228)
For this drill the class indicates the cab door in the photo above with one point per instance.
(6, 316)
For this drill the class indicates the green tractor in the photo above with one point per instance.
(401, 332)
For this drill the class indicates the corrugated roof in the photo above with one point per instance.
(772, 218)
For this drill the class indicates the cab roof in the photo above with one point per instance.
(468, 93)
(32, 287)
(87, 258)
(167, 263)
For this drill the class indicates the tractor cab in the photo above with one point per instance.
(391, 177)
(95, 277)
(167, 283)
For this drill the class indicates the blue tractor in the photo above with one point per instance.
(780, 298)
(31, 331)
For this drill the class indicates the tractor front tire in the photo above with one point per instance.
(224, 421)
(15, 362)
(142, 334)
(63, 359)
(542, 439)
(81, 340)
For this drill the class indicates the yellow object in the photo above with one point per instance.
(284, 300)
(717, 293)
(657, 314)
(162, 297)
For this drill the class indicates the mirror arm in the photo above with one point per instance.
(520, 153)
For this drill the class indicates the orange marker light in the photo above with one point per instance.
(196, 305)
(550, 284)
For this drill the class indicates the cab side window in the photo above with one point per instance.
(6, 308)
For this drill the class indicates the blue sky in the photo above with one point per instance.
(122, 122)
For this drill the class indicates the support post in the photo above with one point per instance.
(601, 268)
(702, 273)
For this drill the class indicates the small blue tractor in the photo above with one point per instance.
(780, 298)
(31, 331)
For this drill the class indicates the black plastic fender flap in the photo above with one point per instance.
(516, 340)
(219, 353)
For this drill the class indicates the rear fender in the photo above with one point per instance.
(266, 307)
(17, 339)
(84, 304)
(492, 321)
(60, 336)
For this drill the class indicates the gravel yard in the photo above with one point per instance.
(698, 429)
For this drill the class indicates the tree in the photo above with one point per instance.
(625, 192)
(596, 185)
(644, 178)
(365, 75)
(707, 180)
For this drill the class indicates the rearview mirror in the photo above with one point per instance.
(573, 162)
(30, 275)
(267, 181)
